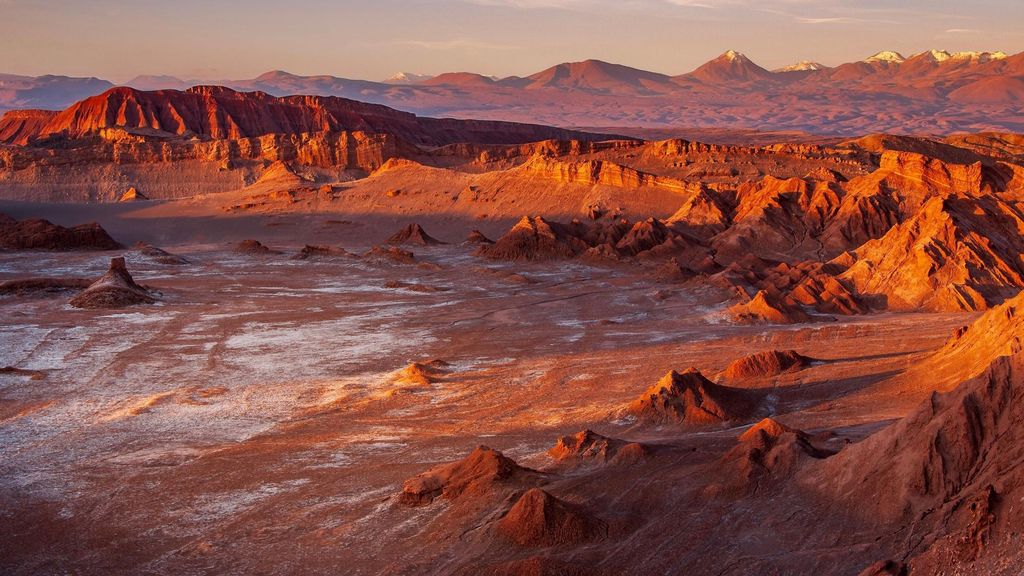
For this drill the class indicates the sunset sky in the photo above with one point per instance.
(209, 40)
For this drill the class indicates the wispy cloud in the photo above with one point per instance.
(963, 31)
(457, 44)
(829, 20)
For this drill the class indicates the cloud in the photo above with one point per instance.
(830, 20)
(457, 44)
(963, 31)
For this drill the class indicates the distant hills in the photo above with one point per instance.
(930, 92)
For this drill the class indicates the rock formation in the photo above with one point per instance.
(39, 234)
(956, 253)
(310, 251)
(31, 286)
(131, 195)
(115, 289)
(767, 363)
(762, 309)
(587, 447)
(538, 519)
(535, 239)
(690, 399)
(413, 234)
(768, 449)
(389, 255)
(159, 255)
(253, 248)
(477, 237)
(222, 113)
(475, 475)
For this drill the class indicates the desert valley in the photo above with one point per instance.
(593, 321)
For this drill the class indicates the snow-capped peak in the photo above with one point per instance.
(802, 66)
(939, 55)
(407, 78)
(887, 56)
(979, 57)
(732, 55)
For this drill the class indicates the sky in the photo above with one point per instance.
(221, 39)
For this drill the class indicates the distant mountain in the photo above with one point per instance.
(803, 66)
(731, 66)
(600, 77)
(932, 91)
(407, 78)
(886, 56)
(459, 79)
(222, 113)
(49, 92)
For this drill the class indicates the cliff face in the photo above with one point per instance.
(344, 150)
(17, 126)
(595, 172)
(224, 114)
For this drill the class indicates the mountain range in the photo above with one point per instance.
(934, 92)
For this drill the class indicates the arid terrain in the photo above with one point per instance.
(249, 334)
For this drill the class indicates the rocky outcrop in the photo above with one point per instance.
(956, 253)
(535, 239)
(538, 519)
(413, 234)
(39, 234)
(115, 289)
(223, 114)
(588, 447)
(310, 252)
(19, 126)
(598, 172)
(768, 450)
(944, 474)
(477, 237)
(42, 286)
(767, 363)
(253, 248)
(765, 309)
(159, 255)
(478, 474)
(388, 255)
(690, 399)
(131, 195)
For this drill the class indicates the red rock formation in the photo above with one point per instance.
(597, 172)
(413, 234)
(38, 234)
(221, 113)
(18, 126)
(115, 289)
(643, 236)
(131, 195)
(477, 237)
(767, 363)
(590, 447)
(33, 286)
(535, 239)
(957, 253)
(389, 255)
(159, 255)
(763, 309)
(253, 248)
(690, 399)
(768, 449)
(316, 251)
(538, 519)
(943, 475)
(474, 475)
